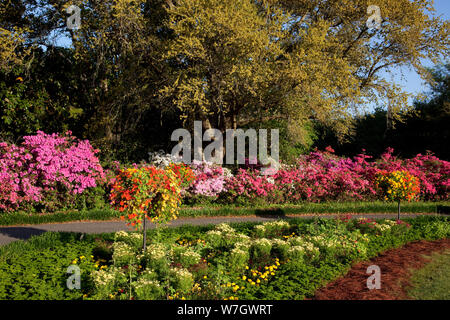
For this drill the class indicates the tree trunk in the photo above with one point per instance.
(144, 242)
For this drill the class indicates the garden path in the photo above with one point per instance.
(9, 234)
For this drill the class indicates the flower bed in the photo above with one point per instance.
(323, 176)
(273, 260)
(317, 177)
(276, 260)
(47, 173)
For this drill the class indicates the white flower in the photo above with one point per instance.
(121, 249)
(225, 228)
(162, 160)
(156, 251)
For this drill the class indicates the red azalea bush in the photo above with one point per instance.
(47, 172)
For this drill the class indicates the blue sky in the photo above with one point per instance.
(411, 81)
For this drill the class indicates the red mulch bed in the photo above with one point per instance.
(395, 266)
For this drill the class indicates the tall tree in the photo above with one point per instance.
(237, 61)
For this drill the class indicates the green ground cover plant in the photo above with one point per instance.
(281, 259)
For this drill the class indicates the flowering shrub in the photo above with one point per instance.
(209, 179)
(323, 176)
(315, 177)
(250, 184)
(162, 160)
(397, 185)
(47, 171)
(151, 192)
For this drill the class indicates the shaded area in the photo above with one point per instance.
(274, 213)
(395, 265)
(443, 209)
(21, 233)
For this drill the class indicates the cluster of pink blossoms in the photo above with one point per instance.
(45, 167)
(323, 176)
(209, 179)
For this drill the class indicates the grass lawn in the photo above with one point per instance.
(19, 218)
(432, 282)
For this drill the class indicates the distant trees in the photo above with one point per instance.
(425, 127)
(138, 69)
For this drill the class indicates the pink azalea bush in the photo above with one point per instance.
(209, 179)
(48, 171)
(323, 176)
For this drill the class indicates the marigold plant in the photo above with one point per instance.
(397, 185)
(150, 192)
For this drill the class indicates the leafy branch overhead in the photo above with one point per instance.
(138, 66)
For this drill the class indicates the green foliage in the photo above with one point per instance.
(38, 270)
(240, 266)
(424, 125)
(137, 69)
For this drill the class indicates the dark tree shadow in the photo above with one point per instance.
(22, 233)
(443, 209)
(276, 213)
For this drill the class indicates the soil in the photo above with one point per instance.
(395, 265)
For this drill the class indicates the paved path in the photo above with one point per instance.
(14, 233)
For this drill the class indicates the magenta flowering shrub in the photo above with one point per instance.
(250, 184)
(323, 176)
(47, 171)
(209, 179)
(433, 173)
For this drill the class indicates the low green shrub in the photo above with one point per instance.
(39, 271)
(280, 260)
(242, 262)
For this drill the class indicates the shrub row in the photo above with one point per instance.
(53, 172)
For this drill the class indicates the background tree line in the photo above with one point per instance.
(137, 70)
